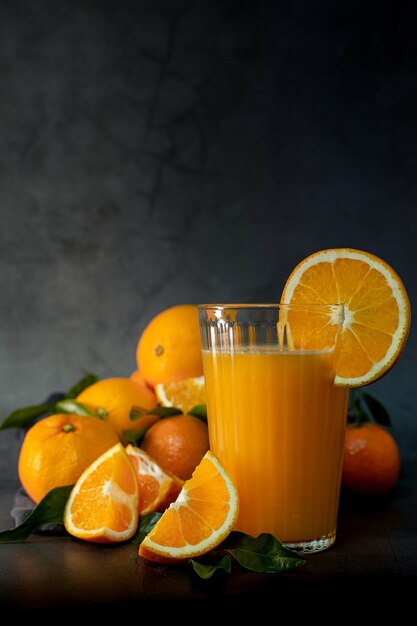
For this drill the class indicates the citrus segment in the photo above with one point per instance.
(157, 488)
(103, 505)
(198, 521)
(184, 394)
(376, 310)
(309, 329)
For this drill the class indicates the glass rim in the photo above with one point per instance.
(263, 305)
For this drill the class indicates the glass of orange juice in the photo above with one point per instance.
(276, 420)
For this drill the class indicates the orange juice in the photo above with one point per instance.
(277, 423)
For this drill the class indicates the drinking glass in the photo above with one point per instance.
(276, 421)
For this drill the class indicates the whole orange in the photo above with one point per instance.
(169, 348)
(371, 462)
(114, 398)
(139, 378)
(57, 449)
(177, 444)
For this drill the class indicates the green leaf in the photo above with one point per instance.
(264, 553)
(136, 412)
(26, 416)
(73, 407)
(206, 570)
(200, 411)
(83, 383)
(165, 411)
(378, 411)
(146, 523)
(134, 436)
(160, 411)
(357, 413)
(50, 510)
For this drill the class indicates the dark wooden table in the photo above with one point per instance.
(376, 545)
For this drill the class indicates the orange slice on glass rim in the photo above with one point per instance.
(157, 487)
(199, 520)
(376, 309)
(183, 394)
(103, 505)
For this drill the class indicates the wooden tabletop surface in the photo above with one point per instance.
(376, 543)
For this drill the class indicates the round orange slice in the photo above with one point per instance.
(157, 487)
(184, 394)
(103, 505)
(198, 521)
(376, 309)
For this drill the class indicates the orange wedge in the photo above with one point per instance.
(198, 521)
(184, 394)
(103, 505)
(157, 488)
(376, 310)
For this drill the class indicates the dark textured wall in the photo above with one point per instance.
(162, 152)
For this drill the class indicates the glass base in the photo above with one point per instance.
(315, 545)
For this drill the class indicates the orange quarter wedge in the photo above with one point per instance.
(376, 309)
(157, 487)
(201, 517)
(183, 394)
(103, 505)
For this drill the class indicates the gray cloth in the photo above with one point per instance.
(23, 506)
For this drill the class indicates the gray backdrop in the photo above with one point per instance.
(155, 153)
